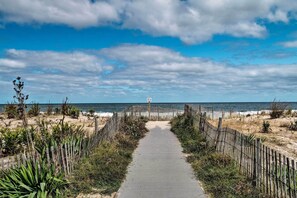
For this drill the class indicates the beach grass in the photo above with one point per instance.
(218, 173)
(104, 170)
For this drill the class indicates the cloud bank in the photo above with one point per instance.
(193, 21)
(140, 70)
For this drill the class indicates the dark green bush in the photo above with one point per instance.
(74, 112)
(266, 127)
(91, 112)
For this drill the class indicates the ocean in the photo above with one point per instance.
(117, 107)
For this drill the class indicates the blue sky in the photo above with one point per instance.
(173, 51)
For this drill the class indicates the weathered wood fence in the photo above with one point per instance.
(272, 172)
(154, 113)
(65, 155)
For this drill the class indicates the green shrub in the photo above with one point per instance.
(13, 141)
(10, 110)
(91, 112)
(34, 110)
(134, 128)
(63, 131)
(74, 112)
(32, 180)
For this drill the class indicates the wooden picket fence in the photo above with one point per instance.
(64, 156)
(272, 172)
(153, 113)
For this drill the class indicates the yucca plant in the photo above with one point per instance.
(266, 127)
(32, 180)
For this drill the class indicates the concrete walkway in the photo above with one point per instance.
(159, 169)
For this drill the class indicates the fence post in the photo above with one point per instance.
(96, 124)
(186, 110)
(212, 113)
(294, 178)
(255, 167)
(289, 178)
(219, 133)
(62, 158)
(203, 121)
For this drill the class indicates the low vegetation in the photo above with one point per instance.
(34, 110)
(73, 112)
(218, 173)
(277, 109)
(266, 127)
(12, 141)
(91, 112)
(33, 179)
(104, 170)
(10, 110)
(293, 126)
(49, 110)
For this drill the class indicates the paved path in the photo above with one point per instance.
(159, 169)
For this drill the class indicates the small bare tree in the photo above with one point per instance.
(21, 98)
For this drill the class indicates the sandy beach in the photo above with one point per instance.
(87, 122)
(280, 137)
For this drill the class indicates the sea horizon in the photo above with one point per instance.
(215, 106)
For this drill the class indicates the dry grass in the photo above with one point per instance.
(280, 137)
(86, 122)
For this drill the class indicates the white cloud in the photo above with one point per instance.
(164, 69)
(68, 62)
(4, 62)
(193, 21)
(75, 13)
(289, 44)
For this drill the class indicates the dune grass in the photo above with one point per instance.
(105, 169)
(218, 173)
